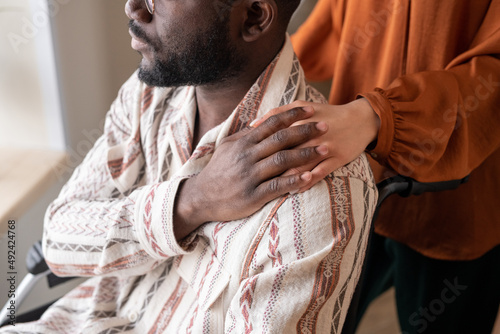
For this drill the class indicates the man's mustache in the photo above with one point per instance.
(137, 31)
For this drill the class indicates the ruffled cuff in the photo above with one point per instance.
(385, 140)
(154, 213)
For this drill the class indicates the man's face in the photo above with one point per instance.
(186, 43)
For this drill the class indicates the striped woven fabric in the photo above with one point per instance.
(290, 267)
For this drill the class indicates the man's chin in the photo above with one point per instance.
(148, 74)
(147, 77)
(153, 78)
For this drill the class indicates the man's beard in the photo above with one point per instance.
(205, 58)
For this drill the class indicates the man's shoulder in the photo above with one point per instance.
(358, 169)
(352, 181)
(314, 95)
(325, 216)
(347, 193)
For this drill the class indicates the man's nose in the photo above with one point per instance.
(136, 10)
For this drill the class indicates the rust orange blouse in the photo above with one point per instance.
(431, 71)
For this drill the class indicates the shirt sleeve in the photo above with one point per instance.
(93, 228)
(302, 270)
(440, 125)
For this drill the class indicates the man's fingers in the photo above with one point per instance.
(278, 186)
(280, 121)
(282, 161)
(289, 138)
(243, 132)
(270, 113)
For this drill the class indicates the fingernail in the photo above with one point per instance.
(307, 176)
(254, 122)
(321, 126)
(322, 149)
(293, 192)
(308, 109)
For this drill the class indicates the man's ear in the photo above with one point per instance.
(260, 17)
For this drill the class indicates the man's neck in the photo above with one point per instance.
(216, 102)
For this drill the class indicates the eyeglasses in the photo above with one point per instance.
(150, 5)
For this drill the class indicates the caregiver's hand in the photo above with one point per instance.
(351, 128)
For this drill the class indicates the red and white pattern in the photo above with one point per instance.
(290, 267)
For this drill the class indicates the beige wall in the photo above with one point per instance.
(94, 59)
(299, 17)
(305, 8)
(21, 114)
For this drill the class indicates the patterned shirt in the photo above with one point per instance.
(290, 267)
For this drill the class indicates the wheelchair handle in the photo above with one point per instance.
(405, 186)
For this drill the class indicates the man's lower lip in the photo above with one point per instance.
(138, 45)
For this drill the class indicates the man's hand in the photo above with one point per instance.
(246, 170)
(351, 128)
